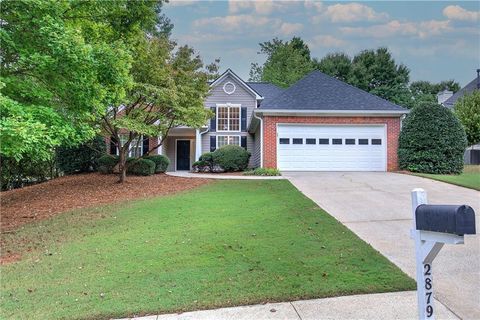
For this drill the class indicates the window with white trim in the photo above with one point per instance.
(136, 146)
(226, 140)
(228, 118)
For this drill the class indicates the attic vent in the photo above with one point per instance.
(229, 87)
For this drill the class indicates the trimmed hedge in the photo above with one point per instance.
(161, 162)
(106, 163)
(263, 172)
(231, 158)
(432, 140)
(141, 167)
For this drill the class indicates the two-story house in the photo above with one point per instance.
(318, 124)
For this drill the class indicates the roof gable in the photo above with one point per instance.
(230, 73)
(318, 91)
(469, 88)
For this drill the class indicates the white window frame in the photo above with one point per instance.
(228, 140)
(230, 106)
(130, 149)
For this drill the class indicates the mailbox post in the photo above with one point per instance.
(434, 226)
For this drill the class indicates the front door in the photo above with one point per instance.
(183, 154)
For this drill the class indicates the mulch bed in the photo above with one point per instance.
(63, 194)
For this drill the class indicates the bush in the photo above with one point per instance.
(263, 172)
(82, 158)
(207, 158)
(432, 140)
(161, 162)
(106, 163)
(141, 167)
(231, 158)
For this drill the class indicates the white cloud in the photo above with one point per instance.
(459, 13)
(393, 28)
(315, 5)
(263, 7)
(353, 12)
(290, 28)
(236, 22)
(326, 41)
(180, 3)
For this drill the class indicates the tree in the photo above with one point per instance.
(376, 71)
(425, 91)
(62, 62)
(467, 109)
(432, 140)
(337, 65)
(169, 90)
(286, 62)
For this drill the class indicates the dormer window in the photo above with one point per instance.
(228, 117)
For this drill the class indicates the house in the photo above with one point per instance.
(318, 124)
(472, 154)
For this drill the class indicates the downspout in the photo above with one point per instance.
(261, 138)
(201, 134)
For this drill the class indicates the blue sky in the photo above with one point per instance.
(436, 40)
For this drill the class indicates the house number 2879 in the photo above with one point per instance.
(428, 289)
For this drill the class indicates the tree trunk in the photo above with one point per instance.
(122, 167)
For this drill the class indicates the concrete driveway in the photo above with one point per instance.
(377, 207)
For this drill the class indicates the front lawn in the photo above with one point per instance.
(470, 178)
(225, 243)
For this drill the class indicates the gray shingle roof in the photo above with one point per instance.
(266, 89)
(471, 86)
(318, 91)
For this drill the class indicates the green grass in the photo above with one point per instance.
(227, 243)
(470, 178)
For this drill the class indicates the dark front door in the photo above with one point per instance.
(183, 154)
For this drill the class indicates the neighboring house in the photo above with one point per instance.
(318, 124)
(472, 154)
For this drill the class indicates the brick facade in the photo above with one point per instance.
(270, 134)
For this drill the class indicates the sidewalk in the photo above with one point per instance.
(395, 305)
(187, 174)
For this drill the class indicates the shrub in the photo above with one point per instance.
(161, 162)
(82, 158)
(263, 172)
(207, 158)
(231, 158)
(141, 167)
(467, 109)
(432, 140)
(106, 163)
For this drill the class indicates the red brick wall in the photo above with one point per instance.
(270, 134)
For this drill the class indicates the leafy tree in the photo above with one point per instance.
(467, 109)
(375, 71)
(432, 140)
(425, 91)
(170, 85)
(337, 65)
(286, 63)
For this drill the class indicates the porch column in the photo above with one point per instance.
(160, 149)
(198, 144)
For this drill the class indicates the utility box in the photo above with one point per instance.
(453, 219)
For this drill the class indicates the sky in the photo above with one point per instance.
(436, 40)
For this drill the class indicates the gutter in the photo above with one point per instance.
(341, 113)
(261, 136)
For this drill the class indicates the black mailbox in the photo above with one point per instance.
(457, 220)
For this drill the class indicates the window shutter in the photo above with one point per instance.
(113, 147)
(243, 119)
(213, 121)
(213, 143)
(145, 147)
(243, 142)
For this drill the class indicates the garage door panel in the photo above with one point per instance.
(331, 157)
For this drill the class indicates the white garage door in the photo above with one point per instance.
(331, 148)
